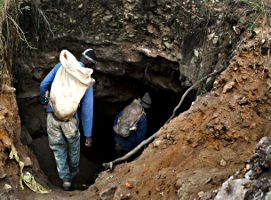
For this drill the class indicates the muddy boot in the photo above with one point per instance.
(66, 184)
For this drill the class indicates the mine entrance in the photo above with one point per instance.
(102, 149)
(106, 106)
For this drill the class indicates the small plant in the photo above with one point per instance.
(25, 8)
(251, 25)
(59, 30)
(260, 9)
(202, 92)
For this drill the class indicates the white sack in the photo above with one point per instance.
(69, 86)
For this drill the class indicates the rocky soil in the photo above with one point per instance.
(198, 150)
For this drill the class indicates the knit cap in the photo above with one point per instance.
(146, 101)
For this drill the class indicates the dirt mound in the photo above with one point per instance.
(198, 150)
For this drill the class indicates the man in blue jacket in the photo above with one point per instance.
(124, 145)
(62, 133)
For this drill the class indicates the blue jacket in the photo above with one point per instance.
(136, 136)
(86, 104)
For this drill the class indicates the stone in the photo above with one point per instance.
(107, 18)
(215, 84)
(106, 192)
(223, 163)
(8, 89)
(157, 143)
(150, 28)
(7, 187)
(252, 125)
(243, 101)
(248, 174)
(3, 174)
(168, 45)
(200, 194)
(27, 161)
(233, 189)
(6, 141)
(215, 40)
(264, 141)
(228, 87)
(196, 52)
(248, 166)
(211, 36)
(131, 35)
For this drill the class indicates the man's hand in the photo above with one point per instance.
(45, 107)
(88, 141)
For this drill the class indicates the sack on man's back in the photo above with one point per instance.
(127, 122)
(69, 86)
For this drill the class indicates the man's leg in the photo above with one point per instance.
(71, 131)
(58, 144)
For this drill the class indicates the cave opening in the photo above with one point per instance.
(102, 149)
(111, 94)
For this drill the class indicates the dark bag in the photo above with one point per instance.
(127, 122)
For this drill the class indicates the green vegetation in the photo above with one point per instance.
(259, 10)
(12, 36)
(59, 30)
(202, 92)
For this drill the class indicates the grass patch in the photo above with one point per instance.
(257, 15)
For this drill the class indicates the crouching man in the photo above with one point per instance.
(130, 125)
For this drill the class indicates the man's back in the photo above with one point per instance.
(136, 137)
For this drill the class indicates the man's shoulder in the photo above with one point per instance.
(58, 65)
